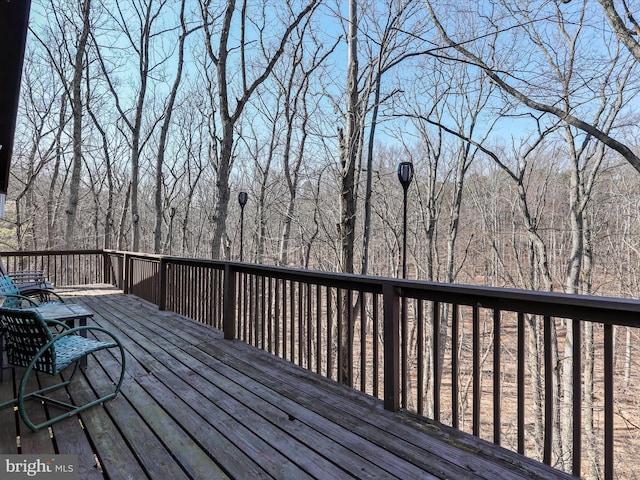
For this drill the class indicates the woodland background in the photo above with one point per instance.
(521, 122)
(141, 120)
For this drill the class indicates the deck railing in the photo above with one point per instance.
(63, 268)
(511, 366)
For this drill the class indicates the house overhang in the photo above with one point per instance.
(14, 20)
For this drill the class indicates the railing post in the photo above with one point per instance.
(120, 278)
(106, 271)
(229, 303)
(104, 267)
(126, 281)
(162, 288)
(391, 306)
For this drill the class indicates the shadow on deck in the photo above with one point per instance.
(196, 406)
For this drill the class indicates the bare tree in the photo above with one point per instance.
(76, 113)
(229, 112)
(521, 93)
(140, 32)
(624, 33)
(66, 36)
(394, 43)
(164, 128)
(40, 99)
(296, 110)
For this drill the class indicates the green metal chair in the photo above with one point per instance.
(14, 297)
(30, 280)
(30, 343)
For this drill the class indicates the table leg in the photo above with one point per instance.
(82, 322)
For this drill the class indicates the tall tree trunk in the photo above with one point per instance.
(349, 147)
(52, 204)
(366, 233)
(348, 159)
(109, 232)
(76, 109)
(164, 130)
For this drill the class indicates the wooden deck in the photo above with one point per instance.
(194, 405)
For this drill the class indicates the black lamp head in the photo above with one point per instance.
(405, 173)
(242, 198)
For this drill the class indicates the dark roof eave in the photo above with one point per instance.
(14, 21)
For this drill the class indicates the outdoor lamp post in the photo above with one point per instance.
(242, 200)
(405, 175)
(172, 212)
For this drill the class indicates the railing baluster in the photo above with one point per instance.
(476, 370)
(196, 286)
(455, 367)
(521, 383)
(248, 308)
(184, 287)
(391, 348)
(437, 367)
(292, 320)
(548, 391)
(243, 307)
(340, 325)
(350, 339)
(319, 329)
(285, 319)
(301, 329)
(376, 349)
(310, 331)
(276, 331)
(577, 397)
(270, 316)
(404, 348)
(363, 341)
(420, 340)
(261, 316)
(253, 311)
(329, 348)
(608, 402)
(497, 420)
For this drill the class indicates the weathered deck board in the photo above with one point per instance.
(196, 406)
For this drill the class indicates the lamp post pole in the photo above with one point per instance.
(172, 212)
(242, 200)
(405, 175)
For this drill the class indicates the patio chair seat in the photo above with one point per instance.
(71, 348)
